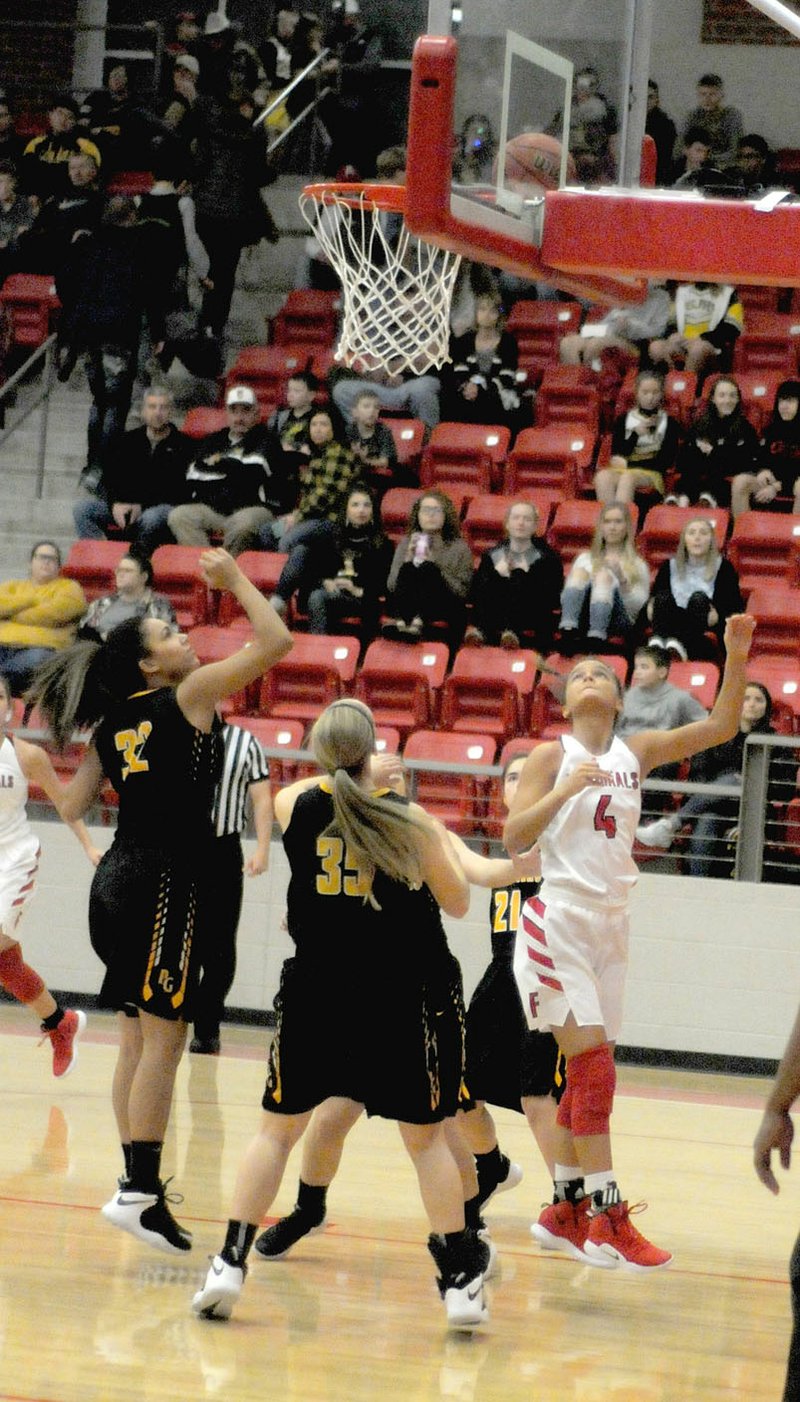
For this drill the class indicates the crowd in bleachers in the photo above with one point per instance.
(575, 478)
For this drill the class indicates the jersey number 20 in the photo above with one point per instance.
(603, 820)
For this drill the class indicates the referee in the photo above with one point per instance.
(244, 770)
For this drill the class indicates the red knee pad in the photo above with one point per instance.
(22, 982)
(592, 1077)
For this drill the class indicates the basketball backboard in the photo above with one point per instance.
(578, 72)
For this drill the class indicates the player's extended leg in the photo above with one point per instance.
(323, 1144)
(596, 1224)
(258, 1180)
(460, 1256)
(62, 1026)
(140, 1206)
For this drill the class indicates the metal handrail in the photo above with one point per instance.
(300, 77)
(47, 352)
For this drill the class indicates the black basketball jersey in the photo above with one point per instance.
(504, 912)
(164, 770)
(328, 915)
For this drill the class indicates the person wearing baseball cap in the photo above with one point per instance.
(232, 489)
(45, 169)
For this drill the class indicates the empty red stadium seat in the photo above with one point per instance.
(176, 573)
(472, 454)
(573, 404)
(400, 682)
(659, 536)
(319, 669)
(263, 568)
(204, 420)
(307, 317)
(409, 438)
(489, 691)
(275, 735)
(457, 799)
(777, 612)
(700, 678)
(757, 351)
(31, 302)
(760, 548)
(266, 369)
(539, 460)
(92, 564)
(538, 328)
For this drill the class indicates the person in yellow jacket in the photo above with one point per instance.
(38, 615)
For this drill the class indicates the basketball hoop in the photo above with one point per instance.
(396, 289)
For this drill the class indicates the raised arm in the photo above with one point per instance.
(654, 747)
(200, 692)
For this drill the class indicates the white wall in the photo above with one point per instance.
(715, 965)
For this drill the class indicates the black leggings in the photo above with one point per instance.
(689, 625)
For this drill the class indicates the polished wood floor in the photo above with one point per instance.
(89, 1315)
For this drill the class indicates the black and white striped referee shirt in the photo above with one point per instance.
(243, 763)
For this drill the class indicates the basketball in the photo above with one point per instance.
(533, 163)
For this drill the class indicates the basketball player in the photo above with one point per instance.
(155, 739)
(21, 764)
(580, 798)
(371, 1000)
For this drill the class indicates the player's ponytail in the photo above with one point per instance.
(75, 689)
(381, 834)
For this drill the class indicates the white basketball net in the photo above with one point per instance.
(396, 289)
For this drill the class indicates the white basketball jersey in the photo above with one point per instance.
(586, 848)
(13, 795)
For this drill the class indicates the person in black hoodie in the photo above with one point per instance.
(712, 816)
(720, 445)
(106, 290)
(693, 593)
(346, 572)
(776, 471)
(231, 488)
(517, 586)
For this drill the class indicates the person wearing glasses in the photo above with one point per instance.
(38, 616)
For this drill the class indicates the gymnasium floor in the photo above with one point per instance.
(87, 1314)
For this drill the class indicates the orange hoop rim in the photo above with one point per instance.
(358, 194)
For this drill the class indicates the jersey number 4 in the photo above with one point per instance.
(131, 743)
(603, 820)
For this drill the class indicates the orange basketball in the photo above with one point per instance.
(533, 163)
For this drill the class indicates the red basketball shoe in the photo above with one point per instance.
(613, 1240)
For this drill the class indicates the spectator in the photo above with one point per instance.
(517, 586)
(63, 219)
(373, 446)
(342, 574)
(644, 445)
(44, 160)
(479, 385)
(755, 165)
(118, 123)
(776, 471)
(11, 145)
(16, 218)
(721, 444)
(431, 572)
(38, 616)
(187, 34)
(694, 593)
(662, 129)
(653, 703)
(325, 479)
(106, 286)
(693, 169)
(277, 53)
(142, 481)
(415, 395)
(231, 488)
(707, 317)
(723, 124)
(231, 215)
(133, 597)
(625, 331)
(353, 116)
(178, 109)
(288, 425)
(607, 586)
(710, 815)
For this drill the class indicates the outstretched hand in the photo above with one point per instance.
(739, 634)
(219, 569)
(776, 1131)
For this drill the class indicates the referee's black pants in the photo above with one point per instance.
(223, 902)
